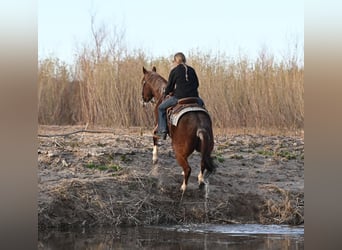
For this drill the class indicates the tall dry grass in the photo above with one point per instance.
(102, 87)
(255, 94)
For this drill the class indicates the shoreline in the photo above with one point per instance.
(106, 179)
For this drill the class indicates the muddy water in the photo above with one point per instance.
(178, 237)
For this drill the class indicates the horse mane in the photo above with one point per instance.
(154, 76)
(157, 81)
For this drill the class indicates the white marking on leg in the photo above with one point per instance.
(200, 177)
(183, 187)
(155, 154)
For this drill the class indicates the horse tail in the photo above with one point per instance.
(206, 148)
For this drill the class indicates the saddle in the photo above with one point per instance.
(184, 105)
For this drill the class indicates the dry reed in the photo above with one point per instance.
(103, 87)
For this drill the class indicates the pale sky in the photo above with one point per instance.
(161, 28)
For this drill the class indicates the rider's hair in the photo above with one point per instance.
(179, 58)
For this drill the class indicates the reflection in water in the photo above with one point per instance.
(178, 237)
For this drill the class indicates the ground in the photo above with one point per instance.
(104, 179)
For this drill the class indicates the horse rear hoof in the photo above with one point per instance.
(201, 185)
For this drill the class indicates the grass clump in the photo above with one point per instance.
(287, 155)
(101, 167)
(266, 153)
(219, 157)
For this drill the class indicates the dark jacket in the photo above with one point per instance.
(179, 86)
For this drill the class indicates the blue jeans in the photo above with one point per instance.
(171, 101)
(162, 126)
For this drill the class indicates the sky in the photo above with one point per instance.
(162, 28)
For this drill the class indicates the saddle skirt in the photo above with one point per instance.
(183, 106)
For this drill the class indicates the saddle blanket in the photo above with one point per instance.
(174, 118)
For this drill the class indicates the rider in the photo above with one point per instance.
(182, 82)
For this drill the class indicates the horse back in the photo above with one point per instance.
(183, 106)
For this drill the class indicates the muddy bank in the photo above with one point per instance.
(100, 179)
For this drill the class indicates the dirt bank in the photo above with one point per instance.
(99, 179)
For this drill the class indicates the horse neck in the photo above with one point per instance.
(158, 88)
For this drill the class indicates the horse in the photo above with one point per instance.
(192, 132)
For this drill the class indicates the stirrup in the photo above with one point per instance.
(162, 135)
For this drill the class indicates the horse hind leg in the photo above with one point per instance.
(155, 150)
(202, 135)
(201, 182)
(183, 162)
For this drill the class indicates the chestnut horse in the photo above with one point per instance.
(193, 131)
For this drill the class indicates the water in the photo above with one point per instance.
(207, 236)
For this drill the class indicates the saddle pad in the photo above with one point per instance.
(174, 118)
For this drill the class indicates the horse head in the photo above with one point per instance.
(152, 85)
(147, 92)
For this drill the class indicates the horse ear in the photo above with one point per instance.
(154, 69)
(144, 70)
